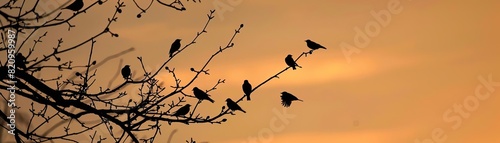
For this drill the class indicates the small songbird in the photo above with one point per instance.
(290, 62)
(126, 72)
(183, 110)
(287, 98)
(20, 61)
(247, 89)
(75, 6)
(201, 95)
(233, 105)
(175, 46)
(313, 45)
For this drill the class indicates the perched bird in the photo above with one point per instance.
(126, 72)
(287, 98)
(201, 95)
(175, 46)
(291, 62)
(233, 105)
(20, 61)
(75, 6)
(183, 110)
(313, 45)
(247, 89)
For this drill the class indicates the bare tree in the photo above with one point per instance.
(75, 103)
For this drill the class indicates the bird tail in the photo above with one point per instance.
(248, 97)
(294, 68)
(211, 100)
(243, 111)
(285, 104)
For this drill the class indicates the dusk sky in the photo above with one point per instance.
(422, 74)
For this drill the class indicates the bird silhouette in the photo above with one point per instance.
(75, 6)
(20, 61)
(233, 105)
(247, 89)
(183, 110)
(126, 72)
(175, 46)
(201, 95)
(287, 98)
(313, 45)
(291, 62)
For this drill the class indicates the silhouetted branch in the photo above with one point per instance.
(67, 103)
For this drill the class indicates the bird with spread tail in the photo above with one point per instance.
(287, 98)
(233, 105)
(201, 95)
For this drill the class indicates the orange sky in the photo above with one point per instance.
(397, 89)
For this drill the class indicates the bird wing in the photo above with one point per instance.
(289, 61)
(286, 103)
(316, 44)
